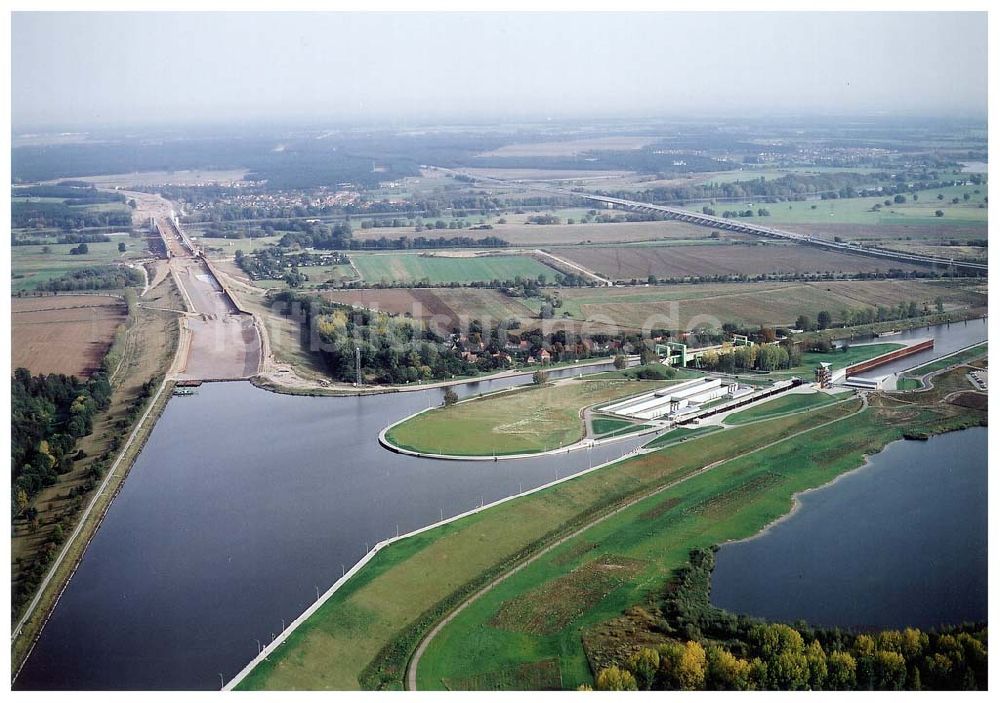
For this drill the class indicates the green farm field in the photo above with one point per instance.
(532, 419)
(858, 211)
(778, 303)
(30, 267)
(517, 233)
(414, 268)
(229, 246)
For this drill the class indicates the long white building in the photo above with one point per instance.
(673, 400)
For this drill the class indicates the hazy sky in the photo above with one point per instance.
(76, 68)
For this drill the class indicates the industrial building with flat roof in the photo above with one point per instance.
(676, 400)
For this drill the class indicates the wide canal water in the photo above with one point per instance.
(947, 339)
(899, 542)
(242, 505)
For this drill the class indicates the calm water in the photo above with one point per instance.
(899, 542)
(947, 338)
(241, 505)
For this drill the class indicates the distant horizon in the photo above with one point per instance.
(91, 69)
(643, 121)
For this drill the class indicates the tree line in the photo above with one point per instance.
(65, 217)
(706, 648)
(70, 238)
(394, 349)
(93, 278)
(795, 186)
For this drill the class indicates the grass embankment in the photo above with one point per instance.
(605, 425)
(960, 358)
(546, 610)
(146, 352)
(911, 381)
(631, 429)
(532, 419)
(680, 434)
(789, 403)
(842, 359)
(364, 635)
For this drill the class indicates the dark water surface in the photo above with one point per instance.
(241, 505)
(899, 542)
(947, 339)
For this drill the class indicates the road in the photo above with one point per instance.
(716, 222)
(411, 669)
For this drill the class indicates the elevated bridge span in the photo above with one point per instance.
(722, 223)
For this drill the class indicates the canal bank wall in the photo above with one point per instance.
(39, 611)
(283, 636)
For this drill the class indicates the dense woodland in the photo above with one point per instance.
(706, 648)
(94, 278)
(70, 212)
(66, 217)
(48, 414)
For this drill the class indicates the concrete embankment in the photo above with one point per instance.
(283, 636)
(64, 566)
(890, 356)
(233, 299)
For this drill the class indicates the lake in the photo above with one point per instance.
(900, 542)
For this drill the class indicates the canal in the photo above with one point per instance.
(241, 507)
(244, 504)
(947, 339)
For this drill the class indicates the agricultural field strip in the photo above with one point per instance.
(445, 269)
(70, 339)
(411, 672)
(124, 453)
